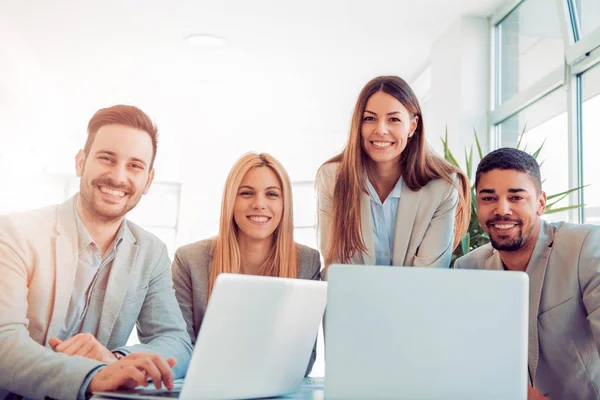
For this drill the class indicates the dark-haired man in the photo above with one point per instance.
(563, 264)
(75, 278)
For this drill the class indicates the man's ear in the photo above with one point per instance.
(541, 203)
(150, 179)
(80, 162)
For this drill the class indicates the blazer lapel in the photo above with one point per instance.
(494, 262)
(536, 269)
(65, 265)
(366, 223)
(118, 282)
(405, 219)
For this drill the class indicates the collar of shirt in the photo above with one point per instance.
(85, 239)
(394, 194)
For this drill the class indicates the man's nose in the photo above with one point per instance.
(503, 207)
(119, 174)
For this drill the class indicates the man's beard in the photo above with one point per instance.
(89, 198)
(513, 244)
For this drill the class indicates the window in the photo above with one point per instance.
(158, 212)
(530, 46)
(305, 213)
(588, 16)
(590, 120)
(544, 122)
(547, 79)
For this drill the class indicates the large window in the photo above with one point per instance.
(543, 125)
(530, 45)
(591, 143)
(546, 84)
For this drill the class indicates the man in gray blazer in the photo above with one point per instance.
(77, 277)
(563, 264)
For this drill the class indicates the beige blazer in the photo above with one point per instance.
(424, 223)
(564, 308)
(38, 261)
(191, 267)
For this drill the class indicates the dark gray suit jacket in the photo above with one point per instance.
(191, 267)
(564, 308)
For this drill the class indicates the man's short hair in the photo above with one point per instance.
(122, 115)
(510, 158)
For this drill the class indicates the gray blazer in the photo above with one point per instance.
(38, 261)
(564, 308)
(424, 223)
(191, 267)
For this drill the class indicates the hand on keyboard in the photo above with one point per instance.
(134, 370)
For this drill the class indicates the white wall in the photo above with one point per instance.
(460, 85)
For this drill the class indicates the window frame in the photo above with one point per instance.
(581, 54)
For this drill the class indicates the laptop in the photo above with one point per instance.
(255, 341)
(425, 333)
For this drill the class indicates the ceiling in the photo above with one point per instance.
(289, 68)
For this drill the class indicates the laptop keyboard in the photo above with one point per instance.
(168, 395)
(173, 394)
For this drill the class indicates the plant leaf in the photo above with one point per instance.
(553, 196)
(557, 201)
(537, 152)
(478, 145)
(521, 136)
(448, 156)
(557, 210)
(465, 243)
(469, 161)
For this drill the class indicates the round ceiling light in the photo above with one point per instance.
(202, 40)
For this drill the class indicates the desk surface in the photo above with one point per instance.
(312, 389)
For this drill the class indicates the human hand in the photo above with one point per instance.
(85, 345)
(533, 394)
(134, 370)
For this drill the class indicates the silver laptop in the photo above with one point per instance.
(255, 341)
(425, 333)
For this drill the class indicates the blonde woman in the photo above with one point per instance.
(255, 237)
(387, 199)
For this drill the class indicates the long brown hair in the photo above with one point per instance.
(419, 165)
(282, 260)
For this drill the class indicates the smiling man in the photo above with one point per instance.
(563, 264)
(77, 277)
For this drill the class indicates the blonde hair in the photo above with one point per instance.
(282, 260)
(419, 166)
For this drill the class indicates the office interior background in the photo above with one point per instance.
(282, 77)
